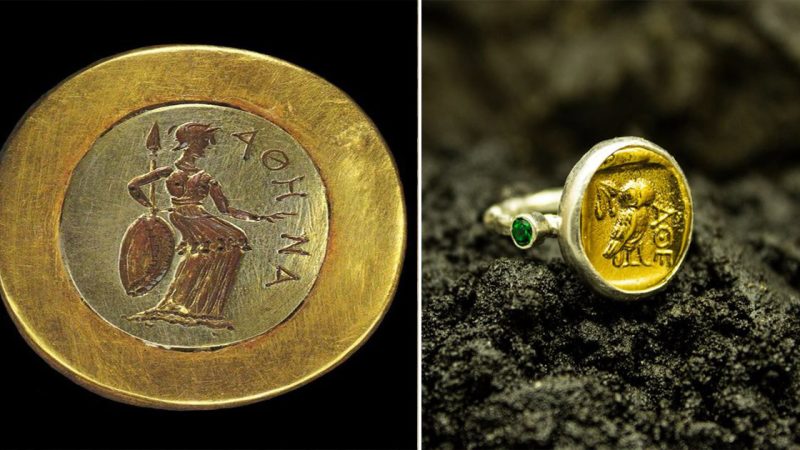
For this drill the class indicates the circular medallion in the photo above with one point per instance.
(198, 241)
(233, 277)
(627, 217)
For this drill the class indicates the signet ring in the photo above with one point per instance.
(205, 236)
(623, 218)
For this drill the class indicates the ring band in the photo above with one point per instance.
(623, 218)
(500, 217)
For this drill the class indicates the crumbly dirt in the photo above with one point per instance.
(517, 351)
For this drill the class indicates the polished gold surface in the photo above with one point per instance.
(636, 218)
(98, 209)
(354, 285)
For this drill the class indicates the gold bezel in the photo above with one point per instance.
(367, 230)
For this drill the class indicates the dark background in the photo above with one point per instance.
(366, 49)
(517, 351)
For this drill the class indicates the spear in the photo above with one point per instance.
(153, 144)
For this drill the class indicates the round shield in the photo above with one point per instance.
(145, 254)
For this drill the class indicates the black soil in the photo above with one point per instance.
(517, 351)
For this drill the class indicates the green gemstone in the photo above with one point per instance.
(521, 232)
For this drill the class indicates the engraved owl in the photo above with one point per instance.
(630, 205)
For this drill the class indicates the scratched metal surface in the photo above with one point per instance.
(355, 283)
(98, 209)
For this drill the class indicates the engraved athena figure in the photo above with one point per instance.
(210, 247)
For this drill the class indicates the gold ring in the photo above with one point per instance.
(197, 241)
(623, 218)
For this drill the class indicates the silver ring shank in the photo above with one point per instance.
(498, 217)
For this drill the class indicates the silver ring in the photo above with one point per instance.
(623, 218)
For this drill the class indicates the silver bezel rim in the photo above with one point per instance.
(570, 212)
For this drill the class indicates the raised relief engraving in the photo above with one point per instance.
(664, 235)
(633, 228)
(633, 205)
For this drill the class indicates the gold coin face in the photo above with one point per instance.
(636, 219)
(203, 227)
(244, 222)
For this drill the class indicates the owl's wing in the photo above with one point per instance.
(621, 232)
(604, 203)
